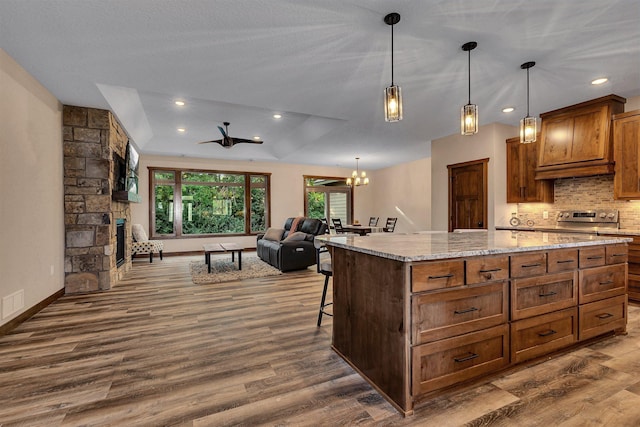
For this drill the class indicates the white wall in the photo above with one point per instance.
(489, 142)
(404, 192)
(31, 189)
(287, 193)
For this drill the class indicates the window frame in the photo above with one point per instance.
(177, 205)
(326, 189)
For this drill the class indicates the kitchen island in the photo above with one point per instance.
(416, 314)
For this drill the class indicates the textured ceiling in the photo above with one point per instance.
(323, 64)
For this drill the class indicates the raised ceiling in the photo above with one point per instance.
(322, 64)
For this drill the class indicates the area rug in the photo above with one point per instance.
(223, 270)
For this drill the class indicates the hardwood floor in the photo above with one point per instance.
(159, 350)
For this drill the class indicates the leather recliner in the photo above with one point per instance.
(289, 254)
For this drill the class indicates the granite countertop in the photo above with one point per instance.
(424, 247)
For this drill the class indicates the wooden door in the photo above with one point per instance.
(557, 139)
(626, 145)
(468, 195)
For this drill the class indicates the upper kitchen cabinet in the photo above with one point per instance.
(522, 186)
(577, 140)
(626, 152)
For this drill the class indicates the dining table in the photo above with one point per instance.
(360, 229)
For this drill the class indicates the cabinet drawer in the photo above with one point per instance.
(533, 296)
(602, 282)
(487, 269)
(562, 260)
(616, 254)
(543, 334)
(529, 264)
(437, 275)
(603, 316)
(592, 257)
(449, 361)
(444, 314)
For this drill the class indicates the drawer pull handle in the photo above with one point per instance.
(594, 257)
(464, 359)
(548, 333)
(604, 315)
(548, 294)
(468, 310)
(608, 282)
(619, 255)
(493, 270)
(531, 265)
(445, 276)
(564, 261)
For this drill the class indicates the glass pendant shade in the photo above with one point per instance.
(393, 104)
(469, 119)
(528, 130)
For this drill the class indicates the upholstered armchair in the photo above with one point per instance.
(142, 244)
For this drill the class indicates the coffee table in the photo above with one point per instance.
(222, 247)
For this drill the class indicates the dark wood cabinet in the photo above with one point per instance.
(626, 153)
(577, 140)
(522, 186)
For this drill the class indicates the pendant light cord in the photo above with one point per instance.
(391, 54)
(527, 92)
(469, 76)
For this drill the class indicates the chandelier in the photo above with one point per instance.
(358, 178)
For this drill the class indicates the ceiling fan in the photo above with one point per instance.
(227, 141)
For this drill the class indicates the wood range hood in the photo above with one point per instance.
(577, 141)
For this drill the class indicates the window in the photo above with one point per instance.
(327, 197)
(192, 203)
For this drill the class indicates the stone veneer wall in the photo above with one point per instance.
(91, 136)
(593, 192)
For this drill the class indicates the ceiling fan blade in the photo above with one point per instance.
(224, 134)
(246, 141)
(217, 141)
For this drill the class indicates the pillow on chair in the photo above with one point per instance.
(139, 235)
(274, 234)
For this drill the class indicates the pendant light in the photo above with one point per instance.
(528, 125)
(393, 93)
(469, 112)
(358, 178)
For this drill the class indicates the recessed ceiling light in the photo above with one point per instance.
(600, 81)
(180, 103)
(508, 109)
(181, 129)
(277, 116)
(257, 138)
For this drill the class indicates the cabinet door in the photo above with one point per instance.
(540, 335)
(626, 145)
(522, 186)
(590, 134)
(514, 181)
(557, 137)
(533, 296)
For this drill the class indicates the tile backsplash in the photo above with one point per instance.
(593, 192)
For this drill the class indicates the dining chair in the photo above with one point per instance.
(327, 229)
(373, 221)
(391, 225)
(337, 225)
(323, 262)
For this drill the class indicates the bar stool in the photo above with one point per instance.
(324, 267)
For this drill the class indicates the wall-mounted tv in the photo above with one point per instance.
(125, 175)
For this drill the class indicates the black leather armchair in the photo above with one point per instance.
(291, 253)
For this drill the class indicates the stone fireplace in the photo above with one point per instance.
(91, 136)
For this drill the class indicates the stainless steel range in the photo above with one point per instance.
(589, 222)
